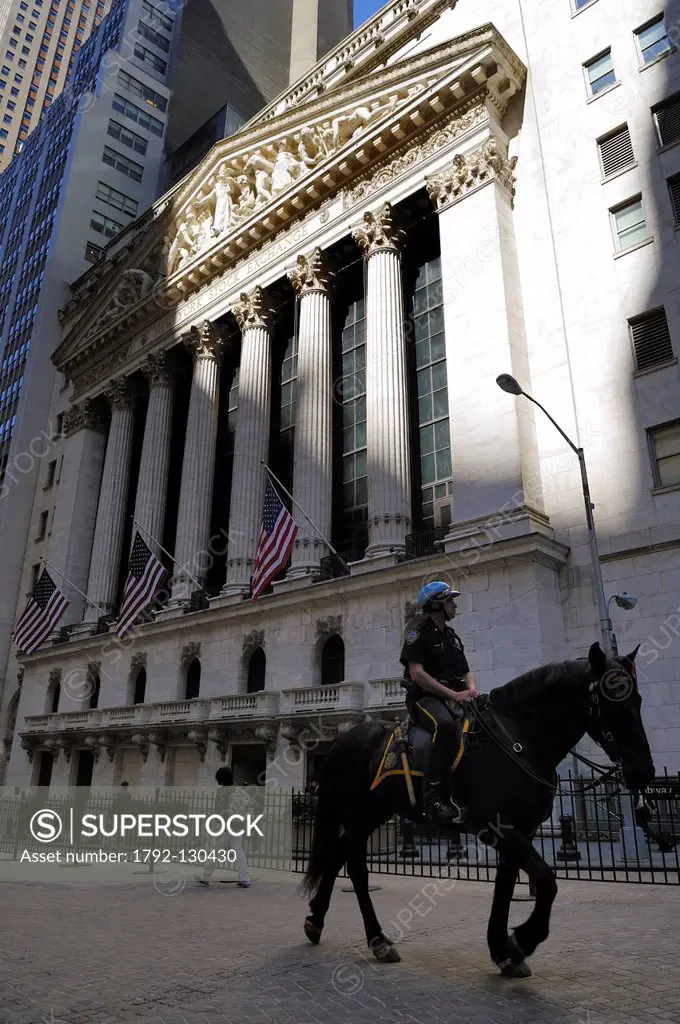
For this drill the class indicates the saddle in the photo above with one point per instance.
(413, 740)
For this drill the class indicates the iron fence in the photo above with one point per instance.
(590, 835)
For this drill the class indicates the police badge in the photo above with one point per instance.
(412, 636)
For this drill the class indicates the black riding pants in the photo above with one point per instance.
(432, 713)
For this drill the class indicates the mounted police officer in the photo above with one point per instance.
(439, 682)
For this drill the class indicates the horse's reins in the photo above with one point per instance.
(515, 748)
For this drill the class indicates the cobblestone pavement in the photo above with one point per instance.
(82, 954)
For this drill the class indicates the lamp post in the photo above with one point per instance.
(511, 387)
(627, 601)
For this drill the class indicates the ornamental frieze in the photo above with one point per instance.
(411, 156)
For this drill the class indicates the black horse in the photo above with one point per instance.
(506, 780)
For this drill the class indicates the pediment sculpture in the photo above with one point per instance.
(242, 185)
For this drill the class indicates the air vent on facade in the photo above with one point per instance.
(616, 151)
(674, 188)
(667, 120)
(93, 253)
(651, 339)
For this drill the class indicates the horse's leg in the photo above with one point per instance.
(383, 948)
(497, 931)
(519, 851)
(321, 901)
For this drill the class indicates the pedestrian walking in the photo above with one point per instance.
(230, 799)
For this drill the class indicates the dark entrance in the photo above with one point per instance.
(249, 762)
(84, 768)
(45, 766)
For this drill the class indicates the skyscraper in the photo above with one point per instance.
(39, 43)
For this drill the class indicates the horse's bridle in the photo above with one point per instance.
(595, 714)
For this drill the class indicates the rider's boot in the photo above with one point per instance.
(438, 806)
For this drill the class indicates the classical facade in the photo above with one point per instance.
(333, 293)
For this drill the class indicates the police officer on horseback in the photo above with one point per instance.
(438, 682)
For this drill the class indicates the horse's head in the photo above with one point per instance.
(615, 721)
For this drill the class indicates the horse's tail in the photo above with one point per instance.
(326, 837)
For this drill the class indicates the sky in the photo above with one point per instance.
(363, 9)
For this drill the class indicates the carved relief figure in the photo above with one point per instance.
(283, 170)
(134, 285)
(221, 198)
(247, 196)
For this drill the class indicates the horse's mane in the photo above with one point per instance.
(538, 682)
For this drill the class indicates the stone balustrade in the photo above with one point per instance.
(385, 693)
(266, 704)
(343, 697)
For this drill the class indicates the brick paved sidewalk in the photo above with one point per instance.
(127, 954)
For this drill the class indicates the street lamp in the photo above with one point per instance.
(626, 601)
(511, 387)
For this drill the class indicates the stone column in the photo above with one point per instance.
(313, 455)
(255, 318)
(108, 534)
(153, 470)
(195, 500)
(75, 513)
(492, 434)
(389, 469)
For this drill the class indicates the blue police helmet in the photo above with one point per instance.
(433, 595)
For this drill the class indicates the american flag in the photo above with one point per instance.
(276, 538)
(45, 607)
(146, 576)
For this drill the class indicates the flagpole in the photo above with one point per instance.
(77, 589)
(311, 521)
(165, 552)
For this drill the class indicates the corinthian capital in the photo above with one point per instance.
(82, 417)
(466, 173)
(205, 341)
(119, 393)
(311, 273)
(254, 310)
(157, 370)
(378, 231)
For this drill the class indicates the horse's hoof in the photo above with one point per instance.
(514, 965)
(312, 932)
(384, 951)
(516, 970)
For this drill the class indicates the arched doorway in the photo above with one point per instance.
(257, 671)
(333, 661)
(192, 686)
(53, 697)
(95, 685)
(139, 687)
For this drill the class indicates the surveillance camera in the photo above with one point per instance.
(626, 601)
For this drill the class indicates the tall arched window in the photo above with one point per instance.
(139, 691)
(193, 681)
(333, 661)
(53, 697)
(257, 670)
(95, 684)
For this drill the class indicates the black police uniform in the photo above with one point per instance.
(442, 655)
